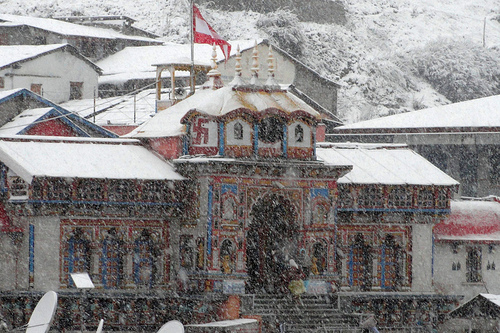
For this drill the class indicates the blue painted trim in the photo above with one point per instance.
(185, 140)
(30, 94)
(110, 203)
(285, 141)
(351, 265)
(406, 210)
(382, 267)
(210, 219)
(137, 264)
(55, 113)
(221, 139)
(314, 142)
(32, 250)
(432, 258)
(256, 140)
(229, 188)
(323, 192)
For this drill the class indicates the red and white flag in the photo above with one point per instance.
(205, 34)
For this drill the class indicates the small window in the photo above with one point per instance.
(474, 264)
(2, 83)
(238, 131)
(75, 90)
(299, 134)
(270, 130)
(36, 88)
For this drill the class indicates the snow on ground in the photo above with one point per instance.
(360, 55)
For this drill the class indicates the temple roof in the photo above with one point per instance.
(220, 102)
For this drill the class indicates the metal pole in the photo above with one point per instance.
(135, 100)
(192, 47)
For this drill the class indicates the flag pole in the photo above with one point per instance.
(192, 47)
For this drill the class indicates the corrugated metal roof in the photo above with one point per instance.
(383, 164)
(113, 159)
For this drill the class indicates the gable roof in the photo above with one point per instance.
(11, 55)
(478, 114)
(68, 29)
(25, 119)
(167, 123)
(470, 220)
(482, 306)
(83, 158)
(379, 164)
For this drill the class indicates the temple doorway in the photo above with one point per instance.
(271, 243)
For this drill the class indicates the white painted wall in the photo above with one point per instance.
(422, 258)
(54, 71)
(284, 68)
(454, 282)
(47, 245)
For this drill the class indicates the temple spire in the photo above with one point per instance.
(270, 70)
(238, 80)
(255, 66)
(214, 81)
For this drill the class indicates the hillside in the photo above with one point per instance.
(370, 53)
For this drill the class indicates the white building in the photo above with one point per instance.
(466, 251)
(57, 72)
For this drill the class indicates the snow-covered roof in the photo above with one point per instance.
(470, 220)
(22, 120)
(11, 54)
(8, 93)
(136, 59)
(83, 158)
(68, 29)
(382, 164)
(218, 102)
(117, 110)
(481, 112)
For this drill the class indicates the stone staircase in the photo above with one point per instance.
(312, 313)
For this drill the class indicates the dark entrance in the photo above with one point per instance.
(271, 242)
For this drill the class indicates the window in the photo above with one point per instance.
(299, 134)
(18, 187)
(271, 130)
(146, 254)
(318, 260)
(238, 131)
(370, 197)
(2, 83)
(426, 198)
(227, 257)
(112, 260)
(360, 263)
(58, 189)
(36, 88)
(474, 263)
(77, 254)
(75, 90)
(391, 263)
(121, 191)
(400, 197)
(90, 190)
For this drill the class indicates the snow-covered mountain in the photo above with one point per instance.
(370, 55)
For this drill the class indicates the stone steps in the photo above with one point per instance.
(318, 314)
